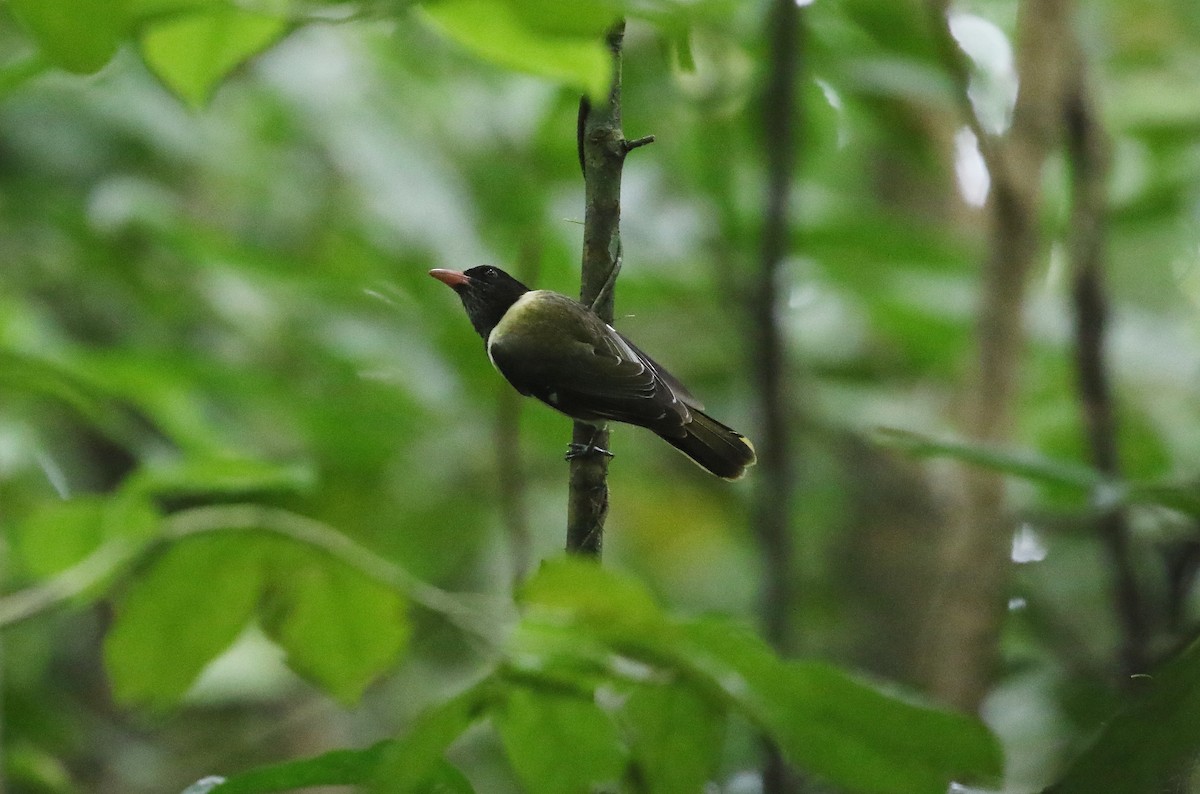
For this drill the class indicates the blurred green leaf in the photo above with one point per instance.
(179, 614)
(335, 768)
(495, 31)
(116, 419)
(843, 729)
(558, 743)
(414, 764)
(78, 35)
(586, 593)
(60, 534)
(339, 629)
(827, 722)
(1150, 743)
(1181, 495)
(676, 735)
(585, 18)
(220, 478)
(1018, 464)
(192, 53)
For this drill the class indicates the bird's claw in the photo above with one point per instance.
(575, 450)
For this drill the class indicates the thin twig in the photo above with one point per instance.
(1088, 150)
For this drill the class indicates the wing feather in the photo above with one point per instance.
(564, 355)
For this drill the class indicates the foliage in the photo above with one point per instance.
(233, 408)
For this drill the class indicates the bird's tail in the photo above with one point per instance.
(715, 447)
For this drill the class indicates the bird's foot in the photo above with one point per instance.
(583, 450)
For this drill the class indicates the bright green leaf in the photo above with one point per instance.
(496, 32)
(558, 744)
(193, 53)
(676, 735)
(590, 18)
(78, 35)
(592, 595)
(60, 534)
(178, 615)
(339, 628)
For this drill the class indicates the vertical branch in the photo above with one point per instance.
(602, 150)
(1088, 151)
(775, 483)
(968, 608)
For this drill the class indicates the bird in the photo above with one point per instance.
(557, 350)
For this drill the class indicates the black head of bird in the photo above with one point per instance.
(556, 349)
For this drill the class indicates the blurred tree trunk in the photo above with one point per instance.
(960, 641)
(775, 482)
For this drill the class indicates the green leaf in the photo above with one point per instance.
(178, 615)
(221, 477)
(193, 53)
(1183, 496)
(340, 629)
(494, 30)
(61, 534)
(1153, 740)
(413, 764)
(588, 594)
(336, 768)
(591, 18)
(842, 729)
(558, 744)
(78, 35)
(676, 735)
(1018, 464)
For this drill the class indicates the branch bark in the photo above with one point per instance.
(1089, 157)
(775, 481)
(775, 478)
(602, 150)
(962, 636)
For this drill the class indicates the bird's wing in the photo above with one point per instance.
(586, 369)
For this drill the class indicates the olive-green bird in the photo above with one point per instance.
(556, 349)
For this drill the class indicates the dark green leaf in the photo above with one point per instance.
(336, 768)
(843, 729)
(1151, 741)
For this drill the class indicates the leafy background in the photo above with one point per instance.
(264, 499)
